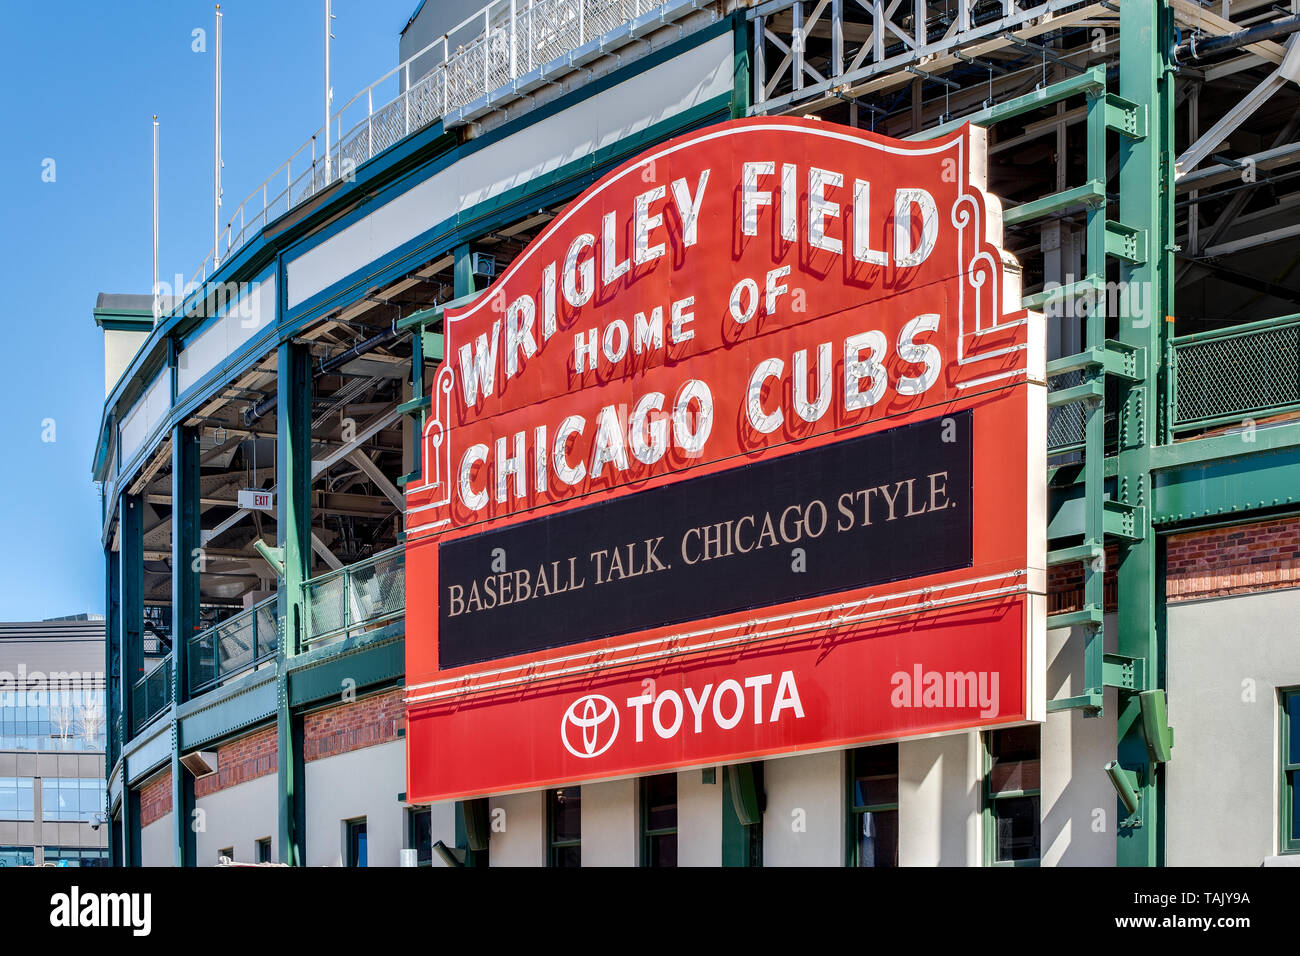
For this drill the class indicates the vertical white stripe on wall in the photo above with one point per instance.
(939, 801)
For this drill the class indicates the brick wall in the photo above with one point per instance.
(1065, 585)
(156, 800)
(240, 761)
(364, 722)
(1263, 556)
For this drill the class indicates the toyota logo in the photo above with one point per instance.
(594, 718)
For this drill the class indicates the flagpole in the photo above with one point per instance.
(216, 154)
(328, 92)
(156, 309)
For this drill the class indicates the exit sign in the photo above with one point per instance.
(256, 500)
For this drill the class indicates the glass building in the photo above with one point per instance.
(52, 735)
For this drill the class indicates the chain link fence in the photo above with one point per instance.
(357, 598)
(237, 644)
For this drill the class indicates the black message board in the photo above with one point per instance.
(882, 507)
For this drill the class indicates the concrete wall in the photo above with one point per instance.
(120, 346)
(1227, 658)
(236, 818)
(611, 826)
(157, 843)
(361, 783)
(699, 819)
(442, 819)
(804, 822)
(519, 829)
(939, 801)
(1078, 803)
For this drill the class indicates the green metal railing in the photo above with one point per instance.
(151, 694)
(357, 598)
(236, 645)
(1222, 377)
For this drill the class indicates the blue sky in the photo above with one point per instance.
(78, 84)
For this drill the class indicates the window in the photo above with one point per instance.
(262, 850)
(17, 855)
(58, 719)
(77, 855)
(742, 842)
(1290, 802)
(564, 826)
(420, 834)
(1011, 806)
(356, 845)
(16, 798)
(873, 806)
(227, 854)
(71, 798)
(659, 820)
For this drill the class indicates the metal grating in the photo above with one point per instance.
(1234, 375)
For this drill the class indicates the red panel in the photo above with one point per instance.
(850, 687)
(496, 726)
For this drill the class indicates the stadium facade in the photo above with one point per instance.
(801, 432)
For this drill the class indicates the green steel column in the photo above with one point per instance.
(185, 621)
(293, 537)
(463, 272)
(131, 577)
(131, 826)
(113, 684)
(1145, 204)
(741, 82)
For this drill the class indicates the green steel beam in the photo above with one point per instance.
(463, 272)
(131, 576)
(1143, 245)
(185, 621)
(293, 537)
(1201, 450)
(1083, 552)
(1090, 81)
(1094, 504)
(1114, 359)
(1093, 390)
(741, 83)
(1125, 117)
(131, 825)
(1234, 485)
(1089, 195)
(113, 688)
(377, 661)
(1089, 285)
(1089, 615)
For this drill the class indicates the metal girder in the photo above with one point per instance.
(1146, 180)
(1090, 194)
(326, 555)
(1200, 17)
(1241, 110)
(1092, 81)
(1249, 480)
(376, 424)
(293, 537)
(185, 621)
(871, 67)
(362, 461)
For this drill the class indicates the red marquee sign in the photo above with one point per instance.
(743, 455)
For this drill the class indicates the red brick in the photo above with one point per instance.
(1219, 562)
(349, 726)
(240, 761)
(156, 799)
